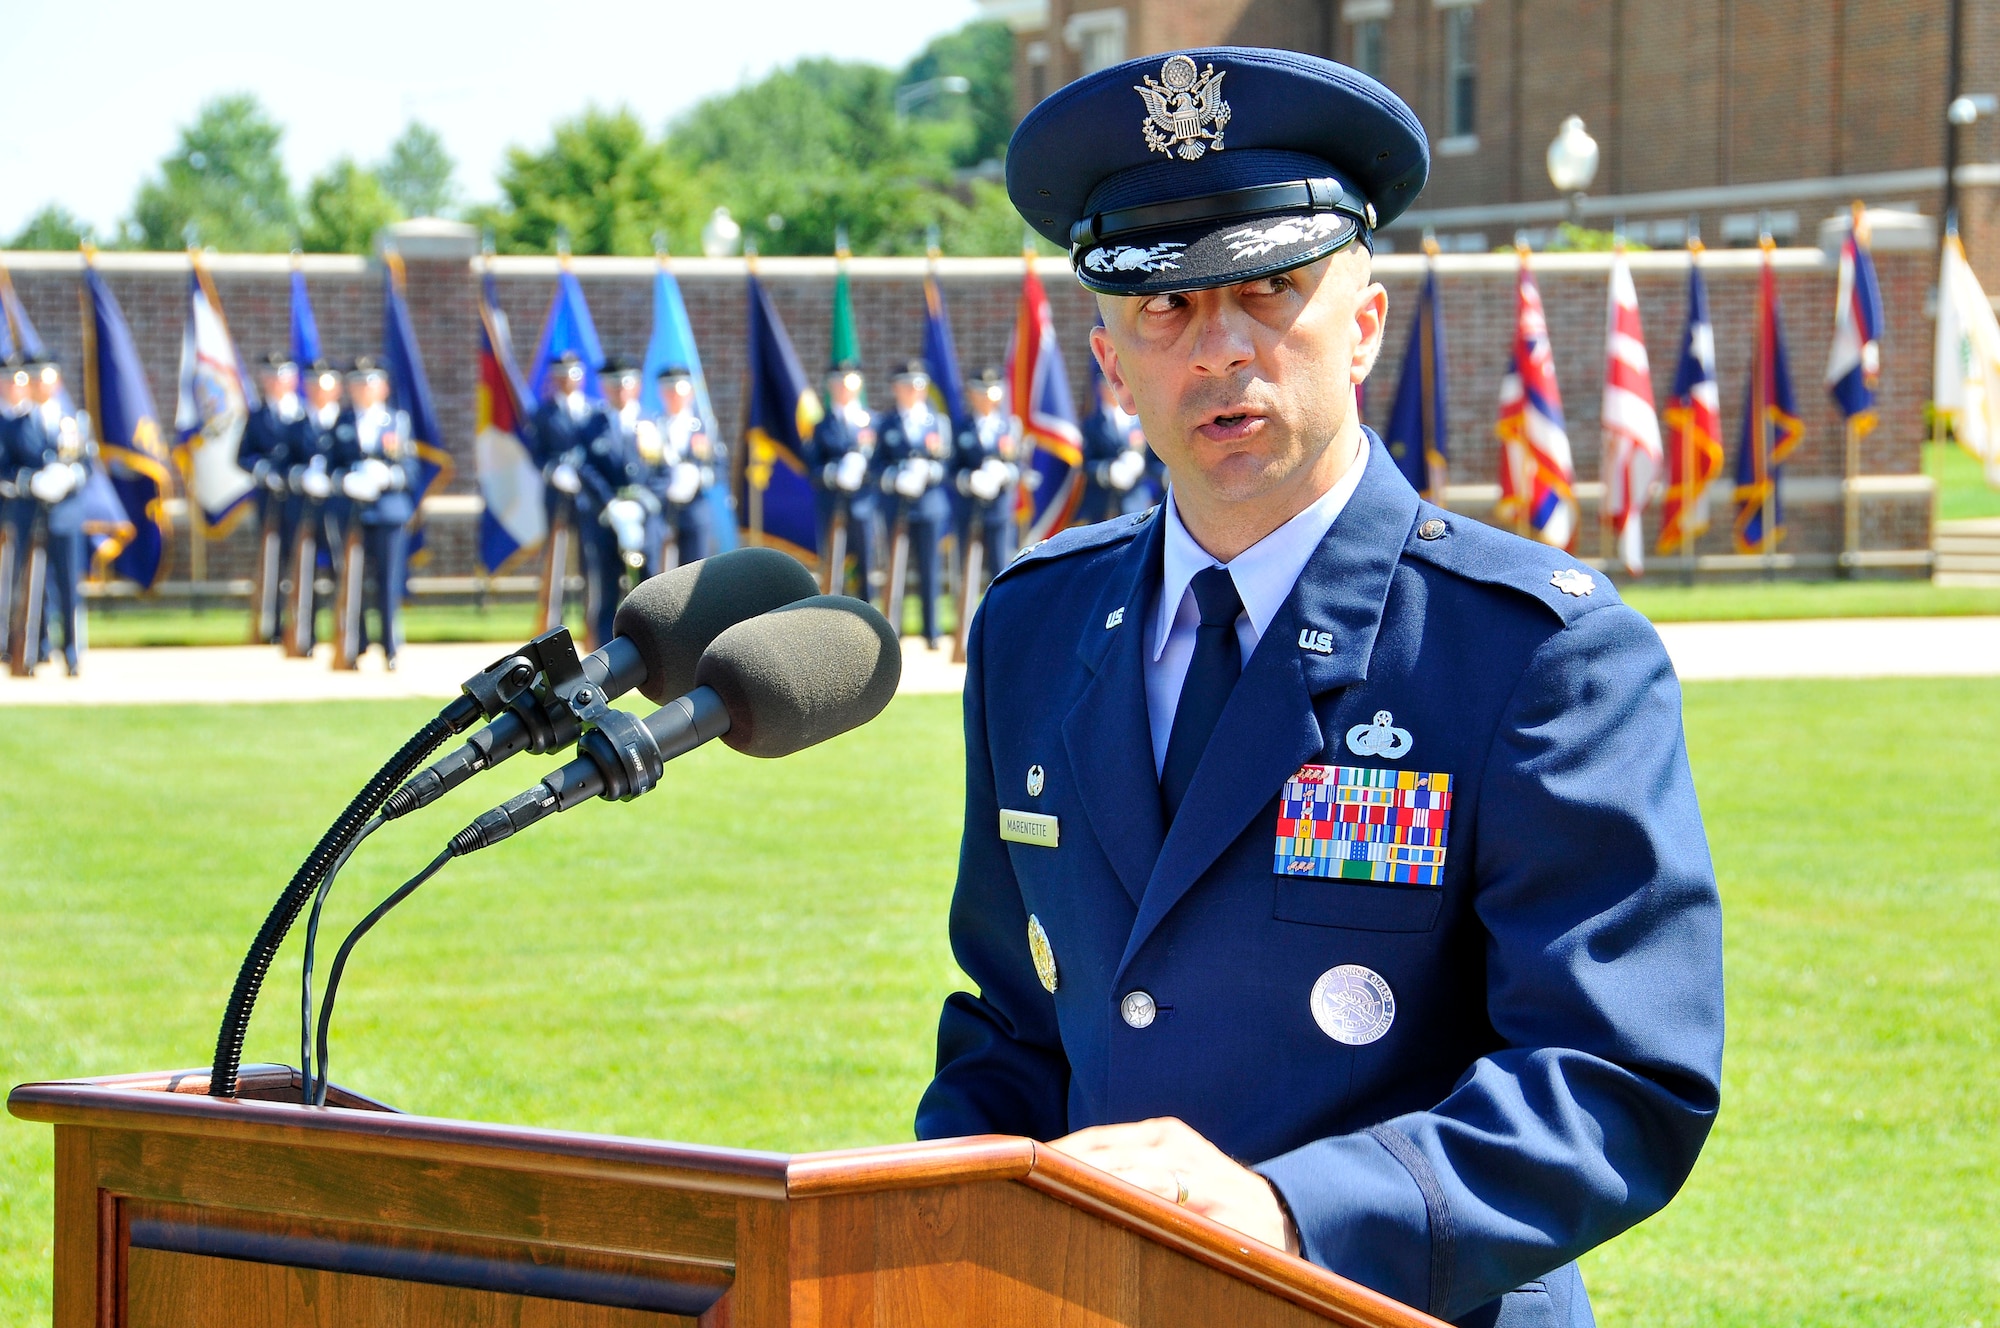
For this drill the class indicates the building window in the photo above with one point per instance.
(1038, 71)
(1098, 38)
(1461, 73)
(1365, 46)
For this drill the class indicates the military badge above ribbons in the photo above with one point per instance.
(1354, 823)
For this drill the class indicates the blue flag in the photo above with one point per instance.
(1044, 415)
(128, 430)
(672, 344)
(305, 328)
(410, 393)
(17, 331)
(568, 331)
(941, 357)
(781, 414)
(1418, 423)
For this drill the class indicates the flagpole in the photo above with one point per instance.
(1766, 440)
(1850, 497)
(753, 489)
(1695, 248)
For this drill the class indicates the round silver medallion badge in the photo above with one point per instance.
(1353, 1005)
(1035, 781)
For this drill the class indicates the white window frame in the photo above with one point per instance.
(1457, 11)
(1092, 26)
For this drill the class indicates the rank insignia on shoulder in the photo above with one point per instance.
(1043, 955)
(1573, 582)
(1381, 738)
(1352, 823)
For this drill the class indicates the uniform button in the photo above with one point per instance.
(1431, 530)
(1138, 1009)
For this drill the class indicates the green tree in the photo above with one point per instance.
(982, 119)
(344, 206)
(54, 227)
(417, 172)
(225, 179)
(604, 179)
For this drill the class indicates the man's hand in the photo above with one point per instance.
(1167, 1158)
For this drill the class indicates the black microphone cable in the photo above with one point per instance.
(317, 1094)
(312, 938)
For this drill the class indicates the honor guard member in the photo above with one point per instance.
(377, 464)
(270, 438)
(1331, 862)
(1118, 468)
(310, 516)
(633, 515)
(566, 422)
(914, 447)
(53, 451)
(15, 507)
(845, 469)
(692, 464)
(985, 471)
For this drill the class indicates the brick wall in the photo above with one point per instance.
(1477, 292)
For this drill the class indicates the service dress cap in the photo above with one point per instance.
(1208, 167)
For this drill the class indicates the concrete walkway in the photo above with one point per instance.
(1814, 648)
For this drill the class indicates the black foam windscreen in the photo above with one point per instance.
(802, 674)
(671, 618)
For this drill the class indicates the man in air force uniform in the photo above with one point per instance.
(379, 476)
(841, 458)
(1331, 861)
(270, 437)
(915, 446)
(1118, 468)
(986, 473)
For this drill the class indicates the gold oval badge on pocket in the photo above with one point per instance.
(1028, 828)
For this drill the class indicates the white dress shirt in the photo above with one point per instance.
(1264, 575)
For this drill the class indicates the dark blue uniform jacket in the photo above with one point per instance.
(1554, 1061)
(34, 446)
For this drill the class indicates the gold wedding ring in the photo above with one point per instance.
(1180, 1189)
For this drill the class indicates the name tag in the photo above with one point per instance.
(1360, 824)
(1028, 828)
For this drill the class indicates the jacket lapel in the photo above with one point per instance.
(1107, 733)
(1269, 727)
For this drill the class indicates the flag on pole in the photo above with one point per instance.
(941, 353)
(1418, 422)
(1044, 414)
(1772, 429)
(782, 412)
(845, 345)
(214, 407)
(568, 330)
(1856, 357)
(672, 344)
(1632, 452)
(513, 518)
(1536, 475)
(1694, 424)
(1965, 385)
(17, 331)
(120, 402)
(410, 394)
(305, 328)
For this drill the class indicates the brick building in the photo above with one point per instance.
(1729, 112)
(1478, 294)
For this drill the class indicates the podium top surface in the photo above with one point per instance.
(268, 1111)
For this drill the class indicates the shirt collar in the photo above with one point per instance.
(1265, 572)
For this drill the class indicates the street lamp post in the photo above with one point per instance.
(1572, 166)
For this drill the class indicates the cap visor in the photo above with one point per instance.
(1209, 253)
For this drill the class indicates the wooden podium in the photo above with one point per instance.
(174, 1208)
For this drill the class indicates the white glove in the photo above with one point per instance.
(647, 436)
(315, 484)
(365, 482)
(627, 519)
(565, 478)
(684, 484)
(912, 478)
(983, 485)
(850, 471)
(53, 482)
(1126, 469)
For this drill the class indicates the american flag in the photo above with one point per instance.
(1536, 475)
(1045, 414)
(1632, 451)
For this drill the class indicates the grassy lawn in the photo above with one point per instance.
(721, 965)
(124, 623)
(1962, 488)
(1663, 601)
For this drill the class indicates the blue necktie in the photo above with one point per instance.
(1211, 677)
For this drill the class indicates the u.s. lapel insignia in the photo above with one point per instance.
(1185, 112)
(1043, 955)
(1320, 643)
(1035, 781)
(1381, 738)
(1115, 617)
(1573, 582)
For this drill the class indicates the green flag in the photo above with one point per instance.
(846, 346)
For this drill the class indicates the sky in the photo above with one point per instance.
(117, 78)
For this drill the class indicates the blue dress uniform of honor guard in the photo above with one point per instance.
(843, 462)
(986, 471)
(588, 462)
(1121, 475)
(303, 464)
(15, 506)
(688, 466)
(633, 515)
(1432, 940)
(51, 451)
(377, 467)
(915, 444)
(271, 437)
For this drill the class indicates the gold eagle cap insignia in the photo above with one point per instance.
(1185, 112)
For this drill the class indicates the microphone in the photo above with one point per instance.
(660, 632)
(768, 687)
